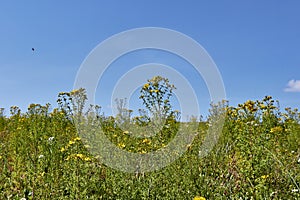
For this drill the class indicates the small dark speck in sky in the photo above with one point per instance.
(32, 49)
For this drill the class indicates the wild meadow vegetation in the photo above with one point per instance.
(257, 156)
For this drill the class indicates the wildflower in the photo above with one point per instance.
(62, 149)
(146, 141)
(50, 139)
(262, 106)
(74, 92)
(295, 190)
(71, 142)
(298, 160)
(264, 177)
(276, 129)
(77, 139)
(146, 86)
(125, 132)
(79, 155)
(0, 157)
(122, 145)
(267, 98)
(87, 159)
(199, 198)
(41, 156)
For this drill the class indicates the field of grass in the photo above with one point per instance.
(256, 157)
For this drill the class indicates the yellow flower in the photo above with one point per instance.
(87, 159)
(122, 145)
(147, 141)
(79, 155)
(125, 132)
(263, 106)
(146, 86)
(74, 92)
(199, 198)
(62, 149)
(77, 139)
(276, 129)
(71, 142)
(264, 176)
(0, 157)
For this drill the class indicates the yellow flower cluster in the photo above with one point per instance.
(146, 86)
(264, 176)
(56, 112)
(199, 198)
(276, 129)
(78, 156)
(143, 152)
(262, 106)
(121, 145)
(231, 111)
(22, 119)
(73, 92)
(71, 142)
(267, 98)
(249, 105)
(146, 141)
(154, 91)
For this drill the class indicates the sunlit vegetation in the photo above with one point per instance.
(256, 157)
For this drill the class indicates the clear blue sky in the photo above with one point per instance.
(255, 44)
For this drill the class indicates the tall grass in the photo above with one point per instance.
(256, 157)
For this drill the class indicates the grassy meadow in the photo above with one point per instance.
(256, 157)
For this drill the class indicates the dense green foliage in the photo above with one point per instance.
(257, 157)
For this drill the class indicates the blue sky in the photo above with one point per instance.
(255, 45)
